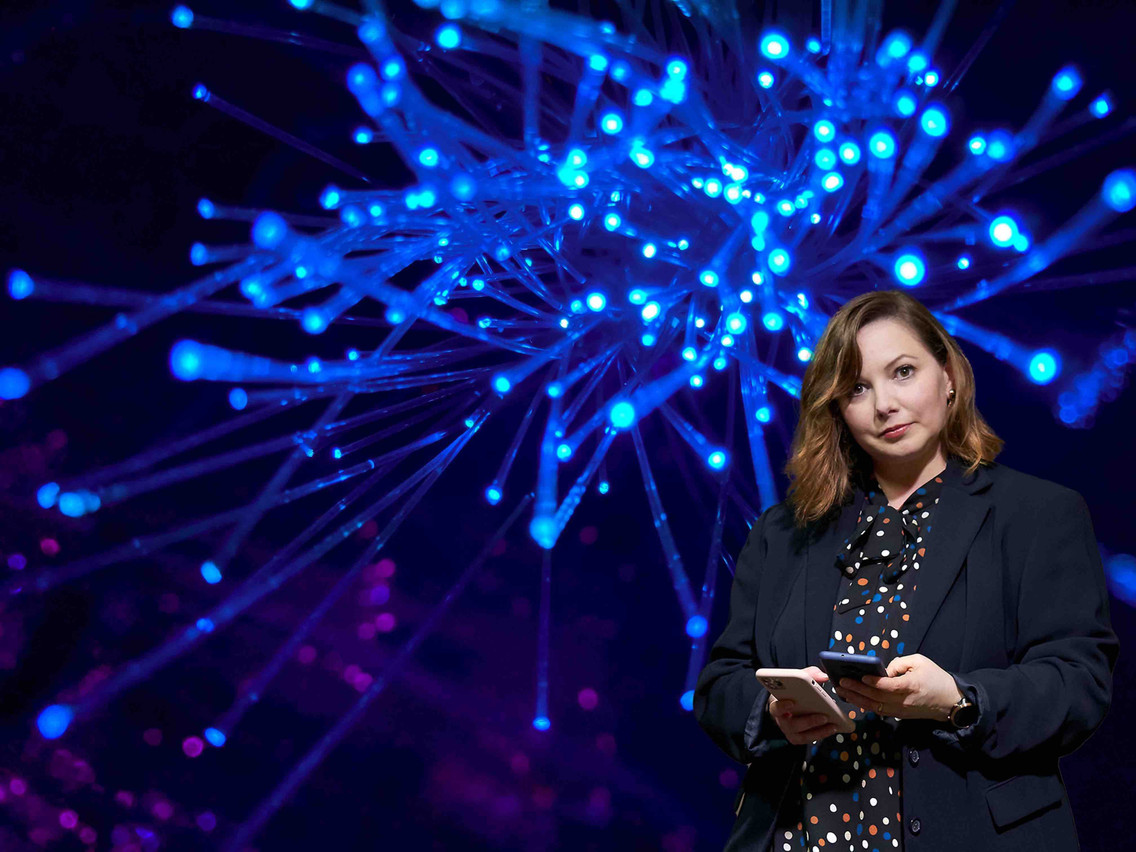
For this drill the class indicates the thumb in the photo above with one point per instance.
(817, 674)
(900, 665)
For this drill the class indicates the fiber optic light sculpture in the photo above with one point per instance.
(665, 222)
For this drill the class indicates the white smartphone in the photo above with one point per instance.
(806, 693)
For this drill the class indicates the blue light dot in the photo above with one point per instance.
(542, 723)
(687, 700)
(773, 321)
(905, 103)
(268, 230)
(612, 221)
(897, 44)
(181, 17)
(200, 92)
(804, 353)
(651, 310)
(543, 531)
(774, 45)
(934, 121)
(215, 737)
(916, 62)
(824, 130)
(1067, 83)
(428, 157)
(637, 296)
(493, 495)
(1000, 146)
(363, 135)
(850, 153)
(1101, 106)
(812, 44)
(185, 360)
(832, 181)
(931, 78)
(696, 626)
(53, 721)
(501, 384)
(301, 4)
(20, 284)
(604, 487)
(596, 301)
(47, 494)
(717, 461)
(72, 504)
(696, 381)
(598, 62)
(205, 208)
(736, 323)
(708, 278)
(238, 399)
(964, 262)
(622, 414)
(713, 187)
(764, 414)
(642, 97)
(1119, 190)
(779, 261)
(650, 250)
(576, 211)
(1003, 231)
(448, 36)
(205, 625)
(210, 572)
(910, 269)
(825, 158)
(882, 144)
(977, 145)
(677, 68)
(564, 452)
(611, 123)
(765, 80)
(1044, 367)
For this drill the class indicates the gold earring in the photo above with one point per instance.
(951, 396)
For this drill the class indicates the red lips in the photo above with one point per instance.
(893, 429)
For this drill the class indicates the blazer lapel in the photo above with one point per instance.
(822, 579)
(963, 505)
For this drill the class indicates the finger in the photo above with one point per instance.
(901, 665)
(815, 734)
(817, 674)
(803, 724)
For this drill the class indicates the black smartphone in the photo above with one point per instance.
(837, 665)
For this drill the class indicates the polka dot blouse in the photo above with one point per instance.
(849, 796)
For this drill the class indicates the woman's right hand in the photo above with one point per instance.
(805, 728)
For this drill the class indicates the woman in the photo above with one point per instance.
(980, 587)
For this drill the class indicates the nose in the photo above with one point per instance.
(885, 404)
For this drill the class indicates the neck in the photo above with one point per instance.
(899, 480)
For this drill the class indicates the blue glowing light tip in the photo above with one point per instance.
(210, 572)
(20, 284)
(1119, 190)
(696, 626)
(14, 383)
(53, 721)
(687, 700)
(215, 737)
(181, 17)
(542, 723)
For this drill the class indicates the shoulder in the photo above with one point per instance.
(1030, 498)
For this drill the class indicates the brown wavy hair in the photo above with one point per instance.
(825, 461)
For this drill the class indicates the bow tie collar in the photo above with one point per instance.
(886, 542)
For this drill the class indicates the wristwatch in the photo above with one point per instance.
(963, 714)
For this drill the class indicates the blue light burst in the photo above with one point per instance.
(563, 273)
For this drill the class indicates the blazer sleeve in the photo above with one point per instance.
(729, 703)
(1058, 689)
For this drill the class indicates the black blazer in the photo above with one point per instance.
(1012, 601)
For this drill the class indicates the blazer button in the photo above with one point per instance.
(913, 757)
(916, 826)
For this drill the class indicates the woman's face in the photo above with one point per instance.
(900, 384)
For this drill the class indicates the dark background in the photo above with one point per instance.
(102, 160)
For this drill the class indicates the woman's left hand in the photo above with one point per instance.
(915, 688)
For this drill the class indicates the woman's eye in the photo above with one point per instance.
(904, 367)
